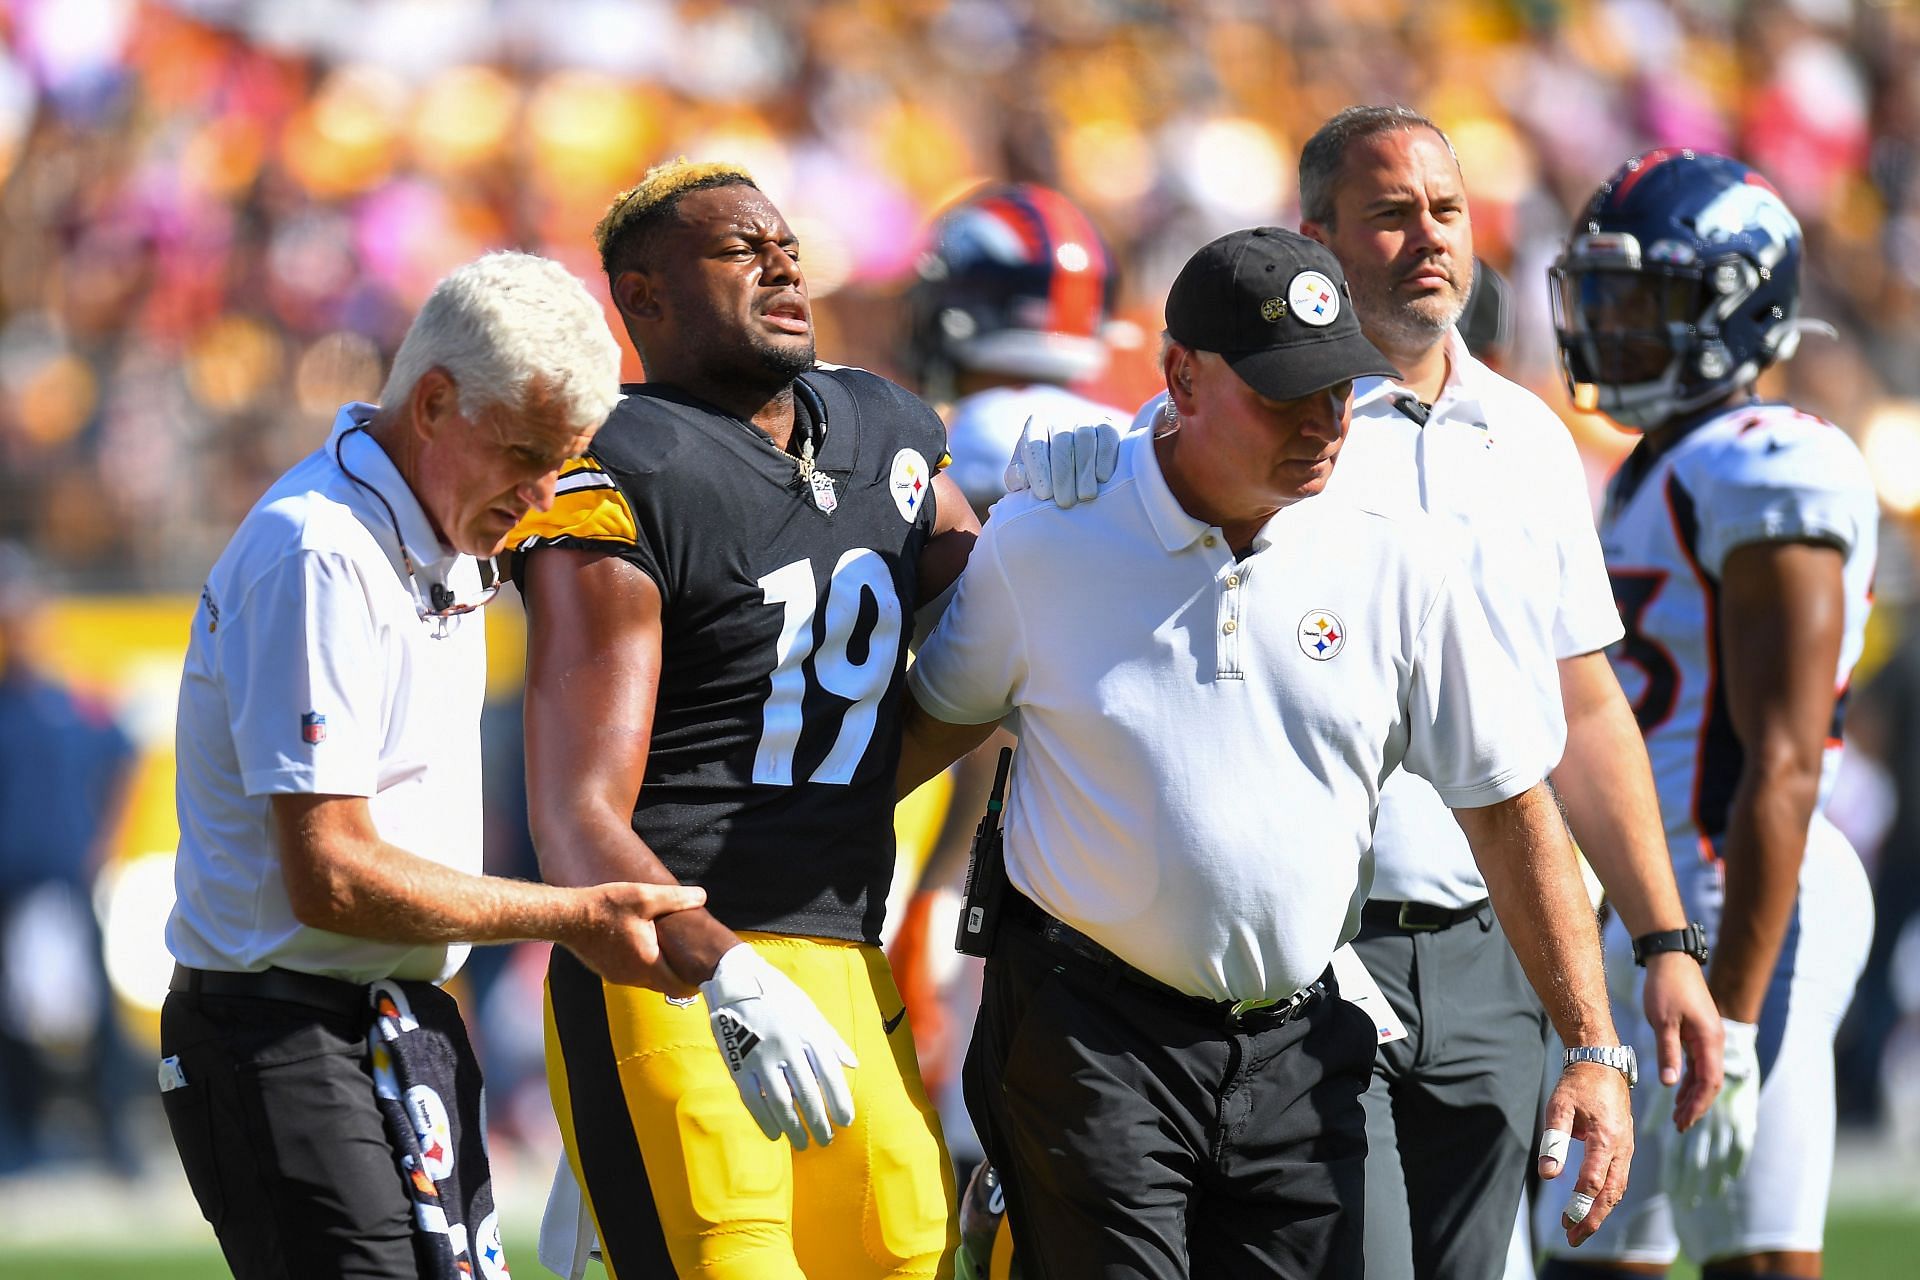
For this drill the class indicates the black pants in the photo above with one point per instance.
(282, 1140)
(1137, 1139)
(1451, 1108)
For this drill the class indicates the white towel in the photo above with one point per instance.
(567, 1239)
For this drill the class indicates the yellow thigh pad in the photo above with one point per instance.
(876, 1202)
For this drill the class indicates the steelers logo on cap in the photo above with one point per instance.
(1314, 299)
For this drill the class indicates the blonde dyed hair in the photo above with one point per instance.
(518, 334)
(658, 190)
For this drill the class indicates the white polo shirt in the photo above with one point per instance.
(1497, 470)
(1202, 739)
(310, 670)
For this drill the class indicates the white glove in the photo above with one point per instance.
(785, 1057)
(1064, 465)
(1702, 1162)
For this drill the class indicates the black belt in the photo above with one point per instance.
(1417, 917)
(329, 995)
(1241, 1015)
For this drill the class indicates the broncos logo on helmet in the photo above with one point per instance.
(1015, 281)
(1679, 285)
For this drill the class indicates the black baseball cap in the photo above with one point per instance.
(1275, 305)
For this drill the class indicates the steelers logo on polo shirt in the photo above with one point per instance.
(1322, 635)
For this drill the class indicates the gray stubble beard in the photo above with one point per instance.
(1406, 326)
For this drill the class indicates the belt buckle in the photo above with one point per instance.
(1412, 926)
(1241, 1009)
(1284, 1006)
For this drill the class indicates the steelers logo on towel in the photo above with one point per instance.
(486, 1247)
(911, 476)
(432, 1127)
(392, 1011)
(1314, 299)
(1322, 635)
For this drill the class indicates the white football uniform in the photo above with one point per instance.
(1755, 473)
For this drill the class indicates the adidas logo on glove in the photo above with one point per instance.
(737, 1039)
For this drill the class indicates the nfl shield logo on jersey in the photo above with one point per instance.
(820, 485)
(313, 728)
(911, 476)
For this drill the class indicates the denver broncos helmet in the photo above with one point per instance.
(1016, 281)
(1679, 284)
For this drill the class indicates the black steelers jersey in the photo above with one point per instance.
(787, 601)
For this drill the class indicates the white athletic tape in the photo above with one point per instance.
(1579, 1204)
(1554, 1144)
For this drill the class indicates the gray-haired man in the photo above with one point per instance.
(329, 797)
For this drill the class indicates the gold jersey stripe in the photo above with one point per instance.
(589, 507)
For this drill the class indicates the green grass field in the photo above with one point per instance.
(1860, 1246)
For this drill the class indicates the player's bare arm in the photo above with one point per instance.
(929, 744)
(1522, 850)
(342, 877)
(954, 529)
(1782, 616)
(593, 642)
(1606, 785)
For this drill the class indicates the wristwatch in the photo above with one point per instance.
(1692, 940)
(1618, 1056)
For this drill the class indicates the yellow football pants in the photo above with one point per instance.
(680, 1180)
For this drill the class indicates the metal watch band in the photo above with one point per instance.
(1618, 1056)
(1692, 940)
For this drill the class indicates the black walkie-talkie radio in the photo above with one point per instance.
(986, 872)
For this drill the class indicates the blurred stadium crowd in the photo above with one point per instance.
(219, 214)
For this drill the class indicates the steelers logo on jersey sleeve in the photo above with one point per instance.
(911, 476)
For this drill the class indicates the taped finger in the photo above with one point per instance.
(1579, 1205)
(1554, 1144)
